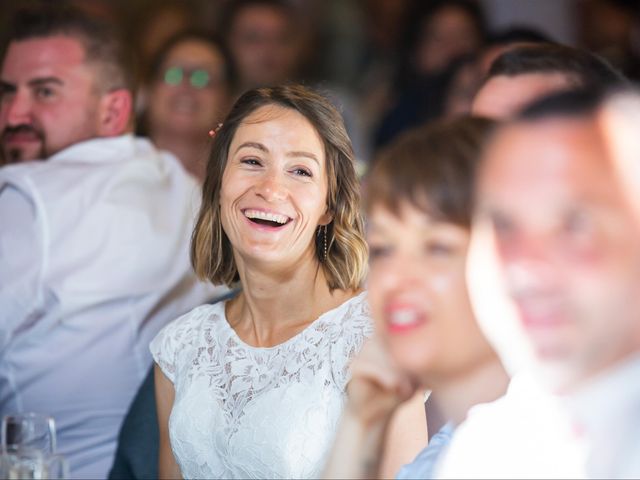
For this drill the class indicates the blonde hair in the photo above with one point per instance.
(346, 259)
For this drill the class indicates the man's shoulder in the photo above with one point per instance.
(98, 165)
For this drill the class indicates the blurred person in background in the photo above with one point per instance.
(419, 218)
(264, 41)
(437, 34)
(467, 73)
(523, 74)
(611, 28)
(188, 94)
(152, 24)
(94, 238)
(553, 220)
(267, 43)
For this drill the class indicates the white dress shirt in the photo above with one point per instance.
(94, 246)
(530, 433)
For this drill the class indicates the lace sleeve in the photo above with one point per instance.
(171, 339)
(356, 327)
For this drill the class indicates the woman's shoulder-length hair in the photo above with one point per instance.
(345, 262)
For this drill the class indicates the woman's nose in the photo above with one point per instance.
(271, 187)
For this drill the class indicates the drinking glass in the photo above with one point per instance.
(28, 430)
(28, 463)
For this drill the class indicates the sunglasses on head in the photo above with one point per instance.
(198, 78)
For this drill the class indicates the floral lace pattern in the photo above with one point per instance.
(247, 412)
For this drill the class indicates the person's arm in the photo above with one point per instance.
(407, 435)
(165, 395)
(22, 257)
(375, 391)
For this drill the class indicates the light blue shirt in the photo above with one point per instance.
(423, 466)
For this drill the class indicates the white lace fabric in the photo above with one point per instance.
(248, 412)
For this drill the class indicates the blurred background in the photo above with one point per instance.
(387, 64)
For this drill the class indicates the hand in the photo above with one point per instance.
(377, 386)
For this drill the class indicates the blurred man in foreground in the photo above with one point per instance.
(551, 209)
(94, 238)
(526, 73)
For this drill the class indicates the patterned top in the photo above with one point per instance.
(247, 412)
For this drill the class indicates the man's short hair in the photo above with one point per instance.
(101, 41)
(582, 68)
(582, 102)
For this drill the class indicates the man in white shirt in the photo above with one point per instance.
(551, 210)
(94, 235)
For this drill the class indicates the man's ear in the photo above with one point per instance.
(115, 112)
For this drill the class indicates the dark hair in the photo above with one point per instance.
(198, 36)
(566, 104)
(417, 15)
(101, 41)
(345, 262)
(235, 7)
(432, 167)
(584, 69)
(519, 34)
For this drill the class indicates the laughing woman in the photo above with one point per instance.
(254, 387)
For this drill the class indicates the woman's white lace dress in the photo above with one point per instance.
(247, 412)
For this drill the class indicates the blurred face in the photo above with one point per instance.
(567, 245)
(190, 94)
(418, 294)
(49, 99)
(449, 34)
(274, 189)
(263, 46)
(502, 96)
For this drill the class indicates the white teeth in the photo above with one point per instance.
(272, 217)
(403, 317)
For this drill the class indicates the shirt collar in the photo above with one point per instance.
(97, 150)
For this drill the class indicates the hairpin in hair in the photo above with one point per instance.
(213, 131)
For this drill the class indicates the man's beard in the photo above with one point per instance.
(15, 154)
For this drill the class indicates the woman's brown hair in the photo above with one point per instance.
(346, 259)
(432, 167)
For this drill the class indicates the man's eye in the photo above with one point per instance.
(44, 92)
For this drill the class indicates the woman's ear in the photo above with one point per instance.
(325, 219)
(115, 113)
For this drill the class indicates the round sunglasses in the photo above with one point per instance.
(198, 77)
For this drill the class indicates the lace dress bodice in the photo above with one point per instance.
(248, 412)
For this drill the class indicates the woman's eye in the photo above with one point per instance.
(378, 251)
(439, 249)
(250, 161)
(303, 172)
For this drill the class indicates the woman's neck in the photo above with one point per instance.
(191, 150)
(485, 383)
(276, 305)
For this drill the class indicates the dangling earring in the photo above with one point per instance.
(324, 242)
(322, 230)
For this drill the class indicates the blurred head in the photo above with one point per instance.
(618, 119)
(263, 40)
(419, 208)
(281, 174)
(64, 80)
(190, 86)
(527, 73)
(565, 238)
(443, 31)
